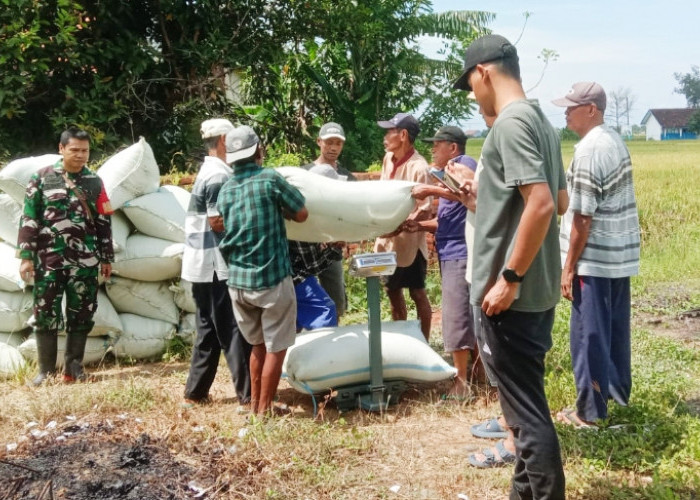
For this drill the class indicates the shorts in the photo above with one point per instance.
(267, 316)
(457, 321)
(412, 277)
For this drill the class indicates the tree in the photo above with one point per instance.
(694, 122)
(158, 67)
(689, 86)
(620, 104)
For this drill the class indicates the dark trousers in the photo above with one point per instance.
(518, 342)
(217, 331)
(600, 344)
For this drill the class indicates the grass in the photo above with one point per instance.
(421, 447)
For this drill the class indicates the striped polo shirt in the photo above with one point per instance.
(202, 257)
(599, 181)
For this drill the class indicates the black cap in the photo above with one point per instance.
(402, 120)
(482, 50)
(448, 133)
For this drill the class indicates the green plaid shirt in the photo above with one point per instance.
(255, 239)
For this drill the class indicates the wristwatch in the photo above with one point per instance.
(511, 276)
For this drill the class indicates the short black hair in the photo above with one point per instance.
(74, 133)
(509, 66)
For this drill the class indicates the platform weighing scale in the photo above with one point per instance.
(379, 393)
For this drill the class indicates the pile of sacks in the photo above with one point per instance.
(144, 304)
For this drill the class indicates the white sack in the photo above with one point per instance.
(347, 211)
(329, 358)
(14, 338)
(121, 229)
(188, 328)
(130, 173)
(10, 213)
(11, 361)
(95, 349)
(183, 296)
(10, 279)
(15, 176)
(160, 214)
(106, 319)
(143, 338)
(149, 259)
(15, 310)
(152, 299)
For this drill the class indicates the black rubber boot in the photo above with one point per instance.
(75, 349)
(46, 352)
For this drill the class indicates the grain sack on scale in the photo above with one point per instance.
(329, 358)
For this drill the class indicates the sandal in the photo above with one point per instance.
(490, 429)
(490, 460)
(569, 417)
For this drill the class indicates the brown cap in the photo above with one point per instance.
(583, 93)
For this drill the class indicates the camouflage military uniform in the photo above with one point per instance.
(67, 239)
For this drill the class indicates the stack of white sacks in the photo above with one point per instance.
(144, 304)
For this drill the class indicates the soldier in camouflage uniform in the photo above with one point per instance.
(65, 239)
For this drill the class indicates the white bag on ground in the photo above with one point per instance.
(10, 213)
(10, 279)
(143, 338)
(183, 296)
(152, 299)
(149, 259)
(130, 173)
(160, 214)
(329, 358)
(11, 361)
(188, 328)
(15, 176)
(95, 349)
(15, 310)
(121, 229)
(347, 211)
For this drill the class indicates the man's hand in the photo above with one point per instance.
(567, 281)
(26, 270)
(412, 226)
(500, 297)
(106, 270)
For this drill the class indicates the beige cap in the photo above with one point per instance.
(583, 93)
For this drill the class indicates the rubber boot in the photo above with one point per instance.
(75, 349)
(46, 351)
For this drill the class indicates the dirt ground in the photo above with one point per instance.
(126, 456)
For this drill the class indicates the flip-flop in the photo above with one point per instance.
(490, 429)
(569, 417)
(490, 459)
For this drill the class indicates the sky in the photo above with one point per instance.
(618, 43)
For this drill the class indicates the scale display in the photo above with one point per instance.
(373, 264)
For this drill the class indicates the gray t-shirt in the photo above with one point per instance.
(522, 148)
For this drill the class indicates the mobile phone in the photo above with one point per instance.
(443, 183)
(451, 182)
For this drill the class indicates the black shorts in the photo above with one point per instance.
(412, 276)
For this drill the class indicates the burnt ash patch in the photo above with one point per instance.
(97, 464)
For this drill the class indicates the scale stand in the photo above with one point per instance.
(378, 394)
